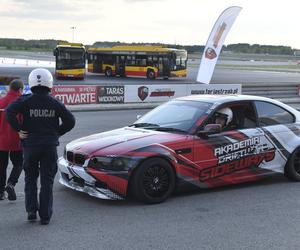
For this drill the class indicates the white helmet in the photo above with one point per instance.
(40, 77)
(227, 113)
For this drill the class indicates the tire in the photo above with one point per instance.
(150, 74)
(153, 181)
(108, 72)
(292, 168)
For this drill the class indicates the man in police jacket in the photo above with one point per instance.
(39, 133)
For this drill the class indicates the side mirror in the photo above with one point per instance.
(210, 129)
(54, 52)
(138, 116)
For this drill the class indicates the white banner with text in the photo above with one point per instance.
(161, 93)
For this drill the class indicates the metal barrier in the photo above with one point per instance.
(285, 92)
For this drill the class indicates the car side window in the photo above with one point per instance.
(243, 116)
(248, 116)
(271, 114)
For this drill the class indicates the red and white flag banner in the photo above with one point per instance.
(215, 42)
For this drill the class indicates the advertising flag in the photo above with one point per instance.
(215, 42)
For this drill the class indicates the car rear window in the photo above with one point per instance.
(271, 114)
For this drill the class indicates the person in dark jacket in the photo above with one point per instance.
(10, 146)
(39, 133)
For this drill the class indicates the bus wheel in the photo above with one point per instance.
(150, 74)
(166, 78)
(108, 72)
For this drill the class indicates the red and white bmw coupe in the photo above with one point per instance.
(180, 142)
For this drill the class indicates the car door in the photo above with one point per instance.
(280, 130)
(234, 155)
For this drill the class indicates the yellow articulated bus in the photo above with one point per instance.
(70, 60)
(142, 61)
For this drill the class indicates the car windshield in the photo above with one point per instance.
(174, 116)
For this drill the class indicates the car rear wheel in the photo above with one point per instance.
(153, 181)
(292, 168)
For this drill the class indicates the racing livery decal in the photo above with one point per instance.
(236, 165)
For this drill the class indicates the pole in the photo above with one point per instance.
(73, 30)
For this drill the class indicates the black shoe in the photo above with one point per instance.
(11, 192)
(31, 216)
(45, 222)
(2, 195)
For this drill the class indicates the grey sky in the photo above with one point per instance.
(167, 21)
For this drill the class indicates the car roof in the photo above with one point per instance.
(223, 98)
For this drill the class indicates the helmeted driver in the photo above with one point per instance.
(223, 117)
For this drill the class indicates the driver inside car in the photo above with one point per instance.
(223, 117)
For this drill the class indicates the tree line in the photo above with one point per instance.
(21, 44)
(49, 45)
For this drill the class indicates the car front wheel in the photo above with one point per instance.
(153, 181)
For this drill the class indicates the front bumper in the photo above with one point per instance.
(77, 178)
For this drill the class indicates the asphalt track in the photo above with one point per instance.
(220, 76)
(259, 215)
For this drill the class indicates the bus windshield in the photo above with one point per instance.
(181, 58)
(68, 58)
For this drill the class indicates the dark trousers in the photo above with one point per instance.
(16, 157)
(40, 160)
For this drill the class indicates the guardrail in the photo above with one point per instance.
(287, 92)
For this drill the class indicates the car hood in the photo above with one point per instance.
(120, 141)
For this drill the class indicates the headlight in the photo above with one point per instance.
(105, 161)
(117, 163)
(108, 163)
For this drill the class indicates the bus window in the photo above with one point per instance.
(108, 59)
(149, 61)
(141, 60)
(181, 58)
(131, 61)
